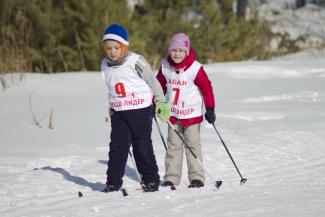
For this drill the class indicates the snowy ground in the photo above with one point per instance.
(270, 114)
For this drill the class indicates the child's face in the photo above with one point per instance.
(112, 50)
(177, 55)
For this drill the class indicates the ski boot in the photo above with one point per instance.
(195, 183)
(171, 184)
(168, 183)
(150, 187)
(110, 188)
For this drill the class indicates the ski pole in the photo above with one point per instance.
(160, 133)
(243, 180)
(172, 187)
(217, 183)
(135, 168)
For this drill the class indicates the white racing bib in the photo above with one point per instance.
(183, 96)
(126, 89)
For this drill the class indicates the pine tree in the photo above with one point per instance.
(57, 36)
(153, 30)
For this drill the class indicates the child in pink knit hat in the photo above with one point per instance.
(187, 88)
(179, 41)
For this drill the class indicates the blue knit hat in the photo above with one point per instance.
(117, 33)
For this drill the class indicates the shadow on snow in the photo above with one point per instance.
(129, 172)
(75, 179)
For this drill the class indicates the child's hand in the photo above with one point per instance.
(162, 111)
(210, 115)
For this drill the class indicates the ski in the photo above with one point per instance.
(124, 192)
(145, 189)
(218, 184)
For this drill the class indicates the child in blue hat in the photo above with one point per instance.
(132, 90)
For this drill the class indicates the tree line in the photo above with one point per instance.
(51, 36)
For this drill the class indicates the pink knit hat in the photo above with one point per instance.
(179, 40)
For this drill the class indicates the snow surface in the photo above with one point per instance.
(271, 115)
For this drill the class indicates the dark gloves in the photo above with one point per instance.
(210, 115)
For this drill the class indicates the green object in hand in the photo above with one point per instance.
(162, 111)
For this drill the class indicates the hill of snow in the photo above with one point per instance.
(270, 114)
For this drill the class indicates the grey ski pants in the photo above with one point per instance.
(174, 154)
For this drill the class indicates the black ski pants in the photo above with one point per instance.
(132, 127)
